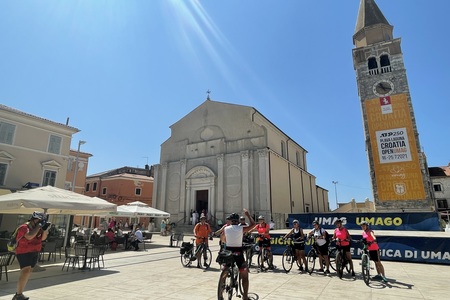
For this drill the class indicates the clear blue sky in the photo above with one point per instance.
(124, 71)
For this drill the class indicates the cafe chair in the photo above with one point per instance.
(71, 258)
(5, 260)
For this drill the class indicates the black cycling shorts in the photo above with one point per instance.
(323, 250)
(29, 259)
(238, 258)
(299, 246)
(374, 255)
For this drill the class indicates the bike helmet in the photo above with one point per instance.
(315, 223)
(295, 221)
(37, 215)
(338, 221)
(261, 218)
(234, 217)
(364, 223)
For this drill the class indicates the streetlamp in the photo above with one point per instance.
(76, 164)
(335, 192)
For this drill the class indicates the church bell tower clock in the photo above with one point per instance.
(398, 168)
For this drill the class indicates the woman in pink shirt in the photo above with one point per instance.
(343, 238)
(374, 250)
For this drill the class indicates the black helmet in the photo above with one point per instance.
(234, 217)
(315, 222)
(338, 221)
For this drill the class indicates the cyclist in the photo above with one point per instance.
(202, 231)
(341, 233)
(233, 237)
(297, 235)
(320, 242)
(264, 236)
(374, 250)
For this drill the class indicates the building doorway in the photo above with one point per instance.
(201, 201)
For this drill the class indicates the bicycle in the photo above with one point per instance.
(230, 282)
(188, 254)
(249, 248)
(341, 259)
(289, 255)
(265, 255)
(313, 253)
(365, 262)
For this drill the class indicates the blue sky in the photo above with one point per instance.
(124, 71)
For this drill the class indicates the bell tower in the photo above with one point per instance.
(398, 168)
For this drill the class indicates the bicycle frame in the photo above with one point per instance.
(234, 286)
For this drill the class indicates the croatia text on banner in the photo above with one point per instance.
(378, 221)
(392, 248)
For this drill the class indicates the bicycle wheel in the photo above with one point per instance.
(332, 258)
(206, 261)
(186, 258)
(339, 264)
(261, 259)
(365, 264)
(287, 260)
(311, 260)
(225, 287)
(241, 288)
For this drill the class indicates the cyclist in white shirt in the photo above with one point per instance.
(233, 238)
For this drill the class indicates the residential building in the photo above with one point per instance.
(440, 178)
(33, 152)
(122, 185)
(224, 157)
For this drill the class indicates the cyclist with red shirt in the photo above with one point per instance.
(264, 237)
(29, 243)
(343, 238)
(374, 250)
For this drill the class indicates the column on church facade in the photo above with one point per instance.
(220, 177)
(245, 179)
(264, 196)
(163, 186)
(184, 209)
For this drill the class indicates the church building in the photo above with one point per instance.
(224, 157)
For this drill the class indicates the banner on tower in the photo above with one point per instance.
(395, 155)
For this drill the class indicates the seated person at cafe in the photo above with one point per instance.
(94, 236)
(52, 231)
(137, 238)
(110, 235)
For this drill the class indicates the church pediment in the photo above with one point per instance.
(200, 172)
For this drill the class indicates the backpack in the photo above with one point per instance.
(12, 243)
(328, 237)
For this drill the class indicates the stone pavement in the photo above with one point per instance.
(157, 273)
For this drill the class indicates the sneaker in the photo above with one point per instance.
(353, 274)
(193, 258)
(300, 268)
(20, 297)
(327, 272)
(320, 270)
(376, 277)
(384, 279)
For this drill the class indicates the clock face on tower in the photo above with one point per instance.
(383, 88)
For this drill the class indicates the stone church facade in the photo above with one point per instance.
(224, 157)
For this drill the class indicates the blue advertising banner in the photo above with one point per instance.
(377, 221)
(392, 248)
